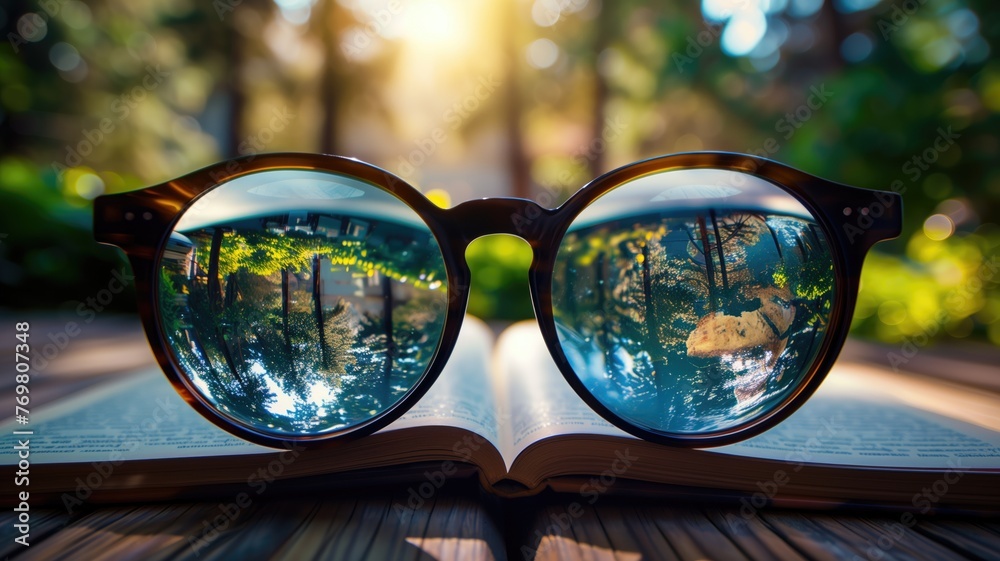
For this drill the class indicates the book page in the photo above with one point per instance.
(540, 403)
(867, 416)
(462, 396)
(142, 417)
(860, 416)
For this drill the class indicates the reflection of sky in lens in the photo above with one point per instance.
(278, 191)
(690, 189)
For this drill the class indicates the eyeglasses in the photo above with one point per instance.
(693, 299)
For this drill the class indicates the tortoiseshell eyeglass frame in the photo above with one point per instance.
(852, 219)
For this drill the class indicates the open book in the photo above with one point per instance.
(504, 411)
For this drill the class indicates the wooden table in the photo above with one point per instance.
(460, 522)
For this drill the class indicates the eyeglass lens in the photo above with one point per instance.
(693, 301)
(302, 302)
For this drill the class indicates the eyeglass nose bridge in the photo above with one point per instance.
(523, 218)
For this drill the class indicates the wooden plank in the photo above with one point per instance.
(631, 529)
(885, 538)
(809, 537)
(43, 524)
(962, 536)
(755, 538)
(456, 526)
(693, 536)
(314, 529)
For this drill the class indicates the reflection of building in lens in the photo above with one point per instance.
(179, 254)
(337, 281)
(333, 227)
(302, 320)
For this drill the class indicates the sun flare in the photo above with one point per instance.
(433, 26)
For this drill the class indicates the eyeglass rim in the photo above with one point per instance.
(847, 253)
(163, 204)
(143, 243)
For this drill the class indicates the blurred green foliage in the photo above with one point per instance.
(499, 266)
(111, 95)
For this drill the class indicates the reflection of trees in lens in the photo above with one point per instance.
(689, 323)
(303, 323)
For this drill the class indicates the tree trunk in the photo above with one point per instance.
(837, 27)
(232, 289)
(318, 312)
(234, 87)
(802, 248)
(653, 345)
(232, 292)
(774, 236)
(214, 286)
(330, 91)
(193, 334)
(603, 30)
(706, 251)
(228, 355)
(285, 303)
(517, 161)
(390, 343)
(718, 248)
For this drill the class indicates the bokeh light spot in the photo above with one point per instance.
(892, 312)
(542, 53)
(939, 227)
(856, 47)
(88, 186)
(32, 27)
(64, 56)
(744, 30)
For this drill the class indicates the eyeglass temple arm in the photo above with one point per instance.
(862, 217)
